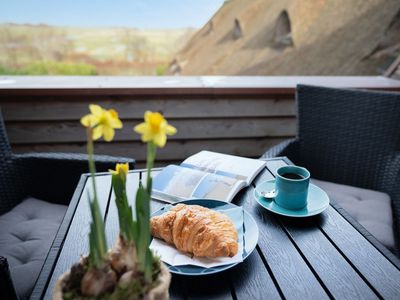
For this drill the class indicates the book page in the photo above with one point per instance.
(176, 183)
(213, 186)
(238, 167)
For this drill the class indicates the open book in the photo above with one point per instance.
(208, 175)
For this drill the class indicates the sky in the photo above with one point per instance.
(144, 14)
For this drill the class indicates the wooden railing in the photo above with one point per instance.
(237, 115)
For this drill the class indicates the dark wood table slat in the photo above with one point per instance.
(292, 274)
(380, 273)
(76, 242)
(216, 286)
(251, 280)
(349, 239)
(274, 165)
(176, 290)
(263, 176)
(338, 276)
(307, 247)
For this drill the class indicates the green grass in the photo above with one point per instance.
(47, 50)
(50, 68)
(161, 69)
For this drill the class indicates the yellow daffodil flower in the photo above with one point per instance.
(155, 128)
(102, 121)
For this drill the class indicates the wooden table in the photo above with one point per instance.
(326, 256)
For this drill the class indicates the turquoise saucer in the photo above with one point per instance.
(317, 201)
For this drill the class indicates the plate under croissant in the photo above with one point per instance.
(250, 237)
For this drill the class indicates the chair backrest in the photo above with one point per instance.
(348, 136)
(10, 187)
(5, 149)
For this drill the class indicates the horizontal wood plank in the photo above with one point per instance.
(72, 109)
(188, 129)
(175, 150)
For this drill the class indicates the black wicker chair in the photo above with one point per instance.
(350, 137)
(51, 177)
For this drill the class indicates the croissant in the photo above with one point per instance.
(197, 230)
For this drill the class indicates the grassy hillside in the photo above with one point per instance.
(42, 49)
(295, 37)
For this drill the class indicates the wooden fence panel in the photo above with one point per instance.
(188, 129)
(130, 107)
(245, 125)
(236, 115)
(174, 151)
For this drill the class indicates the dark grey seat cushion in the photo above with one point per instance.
(372, 209)
(26, 234)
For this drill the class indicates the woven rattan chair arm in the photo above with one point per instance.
(6, 285)
(53, 176)
(391, 185)
(73, 158)
(287, 148)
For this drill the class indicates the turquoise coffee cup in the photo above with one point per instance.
(291, 187)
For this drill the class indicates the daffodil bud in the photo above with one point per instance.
(121, 170)
(119, 179)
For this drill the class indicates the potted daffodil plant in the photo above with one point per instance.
(129, 270)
